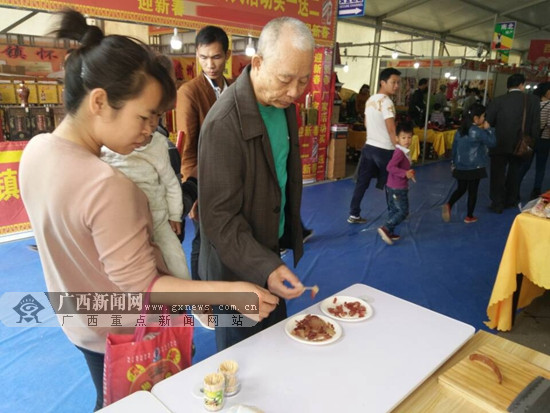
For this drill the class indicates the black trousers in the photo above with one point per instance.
(504, 180)
(195, 251)
(466, 185)
(95, 365)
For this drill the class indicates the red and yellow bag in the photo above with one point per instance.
(138, 361)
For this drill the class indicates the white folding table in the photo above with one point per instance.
(371, 368)
(138, 402)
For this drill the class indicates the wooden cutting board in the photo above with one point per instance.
(477, 382)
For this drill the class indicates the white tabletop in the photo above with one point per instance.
(371, 368)
(137, 402)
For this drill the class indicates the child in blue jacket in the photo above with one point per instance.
(470, 158)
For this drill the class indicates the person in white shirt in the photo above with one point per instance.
(437, 116)
(381, 139)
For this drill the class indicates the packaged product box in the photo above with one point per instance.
(335, 114)
(357, 139)
(339, 131)
(336, 165)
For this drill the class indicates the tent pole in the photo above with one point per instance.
(488, 67)
(428, 102)
(375, 67)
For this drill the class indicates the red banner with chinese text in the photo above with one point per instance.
(185, 67)
(421, 62)
(13, 217)
(244, 17)
(239, 63)
(477, 65)
(308, 152)
(314, 131)
(539, 52)
(322, 98)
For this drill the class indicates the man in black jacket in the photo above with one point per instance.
(505, 113)
(417, 106)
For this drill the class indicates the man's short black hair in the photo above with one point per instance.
(423, 82)
(212, 34)
(515, 80)
(387, 73)
(437, 106)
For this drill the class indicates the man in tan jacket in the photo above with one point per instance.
(195, 98)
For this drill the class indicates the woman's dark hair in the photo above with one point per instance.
(477, 109)
(118, 64)
(541, 89)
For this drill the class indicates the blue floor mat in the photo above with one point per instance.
(447, 267)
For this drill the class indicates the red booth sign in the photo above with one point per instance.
(539, 52)
(236, 16)
(13, 217)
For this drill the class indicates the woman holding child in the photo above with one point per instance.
(92, 224)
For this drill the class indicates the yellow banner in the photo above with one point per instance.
(7, 94)
(47, 93)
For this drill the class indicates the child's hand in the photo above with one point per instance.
(486, 125)
(411, 174)
(176, 226)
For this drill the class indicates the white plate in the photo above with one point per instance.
(291, 325)
(341, 299)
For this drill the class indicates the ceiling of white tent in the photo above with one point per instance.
(461, 21)
(15, 21)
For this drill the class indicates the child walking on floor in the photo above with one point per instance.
(397, 186)
(470, 158)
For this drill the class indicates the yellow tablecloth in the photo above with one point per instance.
(441, 141)
(437, 139)
(526, 252)
(449, 137)
(357, 139)
(414, 148)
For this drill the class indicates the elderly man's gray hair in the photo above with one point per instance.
(302, 38)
